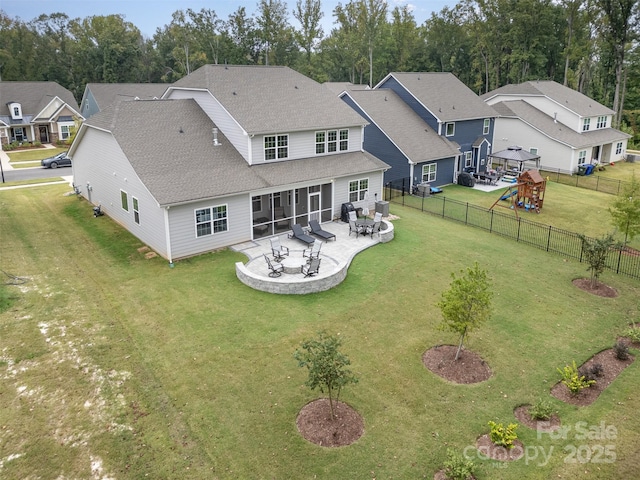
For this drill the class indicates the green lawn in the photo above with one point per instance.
(137, 370)
(32, 157)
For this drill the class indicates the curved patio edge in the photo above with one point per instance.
(285, 285)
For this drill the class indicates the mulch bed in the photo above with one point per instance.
(612, 367)
(489, 449)
(522, 415)
(469, 368)
(314, 423)
(600, 289)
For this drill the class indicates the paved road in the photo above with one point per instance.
(18, 174)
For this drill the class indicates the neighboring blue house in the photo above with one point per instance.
(451, 110)
(402, 139)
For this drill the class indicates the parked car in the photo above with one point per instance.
(60, 160)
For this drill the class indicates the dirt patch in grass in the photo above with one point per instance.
(315, 424)
(611, 368)
(469, 368)
(600, 289)
(524, 418)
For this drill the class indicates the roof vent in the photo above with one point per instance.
(215, 137)
(555, 117)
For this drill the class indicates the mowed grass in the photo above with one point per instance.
(115, 366)
(32, 157)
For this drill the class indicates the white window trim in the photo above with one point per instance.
(446, 129)
(533, 150)
(277, 136)
(338, 141)
(135, 207)
(360, 192)
(429, 172)
(468, 159)
(582, 155)
(124, 200)
(586, 123)
(486, 126)
(211, 220)
(619, 148)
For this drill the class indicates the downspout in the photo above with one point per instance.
(167, 234)
(411, 169)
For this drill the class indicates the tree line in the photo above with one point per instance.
(588, 45)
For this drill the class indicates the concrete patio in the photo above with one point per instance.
(335, 255)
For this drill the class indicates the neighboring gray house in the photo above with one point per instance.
(399, 137)
(450, 109)
(36, 112)
(98, 96)
(563, 126)
(231, 154)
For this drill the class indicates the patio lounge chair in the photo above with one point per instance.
(311, 268)
(357, 229)
(317, 230)
(299, 234)
(313, 252)
(278, 250)
(275, 270)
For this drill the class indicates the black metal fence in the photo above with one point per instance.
(591, 182)
(538, 235)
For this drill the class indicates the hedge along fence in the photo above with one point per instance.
(538, 235)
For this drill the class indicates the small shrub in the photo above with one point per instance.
(621, 350)
(633, 333)
(574, 381)
(541, 410)
(457, 467)
(37, 143)
(503, 436)
(596, 370)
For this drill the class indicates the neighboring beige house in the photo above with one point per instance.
(36, 112)
(229, 155)
(564, 127)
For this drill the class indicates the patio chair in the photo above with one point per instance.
(353, 215)
(278, 251)
(313, 252)
(299, 234)
(275, 270)
(375, 228)
(311, 268)
(317, 230)
(353, 227)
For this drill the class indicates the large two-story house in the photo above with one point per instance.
(563, 126)
(230, 154)
(36, 112)
(450, 109)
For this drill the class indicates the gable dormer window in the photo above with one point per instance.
(585, 124)
(16, 110)
(602, 122)
(276, 147)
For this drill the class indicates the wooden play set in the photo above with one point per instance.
(527, 193)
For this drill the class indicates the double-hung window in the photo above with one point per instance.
(211, 220)
(276, 147)
(619, 148)
(582, 156)
(602, 122)
(485, 126)
(136, 210)
(358, 189)
(332, 141)
(429, 172)
(585, 124)
(64, 131)
(468, 159)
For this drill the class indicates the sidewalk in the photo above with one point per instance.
(6, 166)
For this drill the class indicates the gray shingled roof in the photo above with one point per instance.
(446, 97)
(403, 126)
(515, 153)
(106, 94)
(339, 87)
(272, 99)
(557, 130)
(33, 96)
(170, 146)
(565, 96)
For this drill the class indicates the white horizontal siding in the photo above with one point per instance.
(303, 144)
(341, 191)
(99, 161)
(182, 224)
